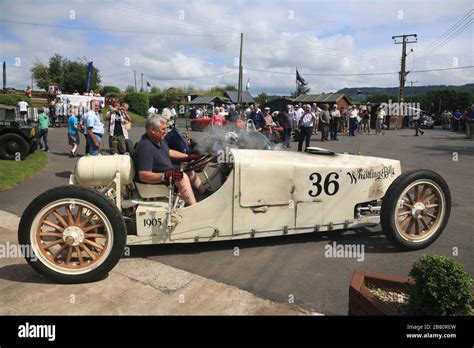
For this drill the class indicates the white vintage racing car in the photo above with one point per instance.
(78, 232)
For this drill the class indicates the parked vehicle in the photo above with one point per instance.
(17, 138)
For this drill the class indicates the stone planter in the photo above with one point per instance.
(363, 302)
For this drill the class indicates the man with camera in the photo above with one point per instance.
(118, 118)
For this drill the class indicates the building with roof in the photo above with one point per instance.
(341, 100)
(278, 103)
(234, 97)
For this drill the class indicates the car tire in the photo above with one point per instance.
(11, 144)
(84, 238)
(415, 209)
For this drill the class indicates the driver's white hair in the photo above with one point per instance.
(154, 121)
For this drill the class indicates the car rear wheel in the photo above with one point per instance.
(415, 209)
(12, 144)
(74, 234)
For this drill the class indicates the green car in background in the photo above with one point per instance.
(17, 138)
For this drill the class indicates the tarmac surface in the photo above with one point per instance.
(294, 268)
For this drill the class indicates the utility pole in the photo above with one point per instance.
(135, 78)
(239, 93)
(142, 83)
(403, 73)
(411, 89)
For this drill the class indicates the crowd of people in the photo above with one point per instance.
(86, 120)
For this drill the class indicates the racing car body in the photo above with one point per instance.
(79, 231)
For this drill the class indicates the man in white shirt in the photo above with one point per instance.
(152, 110)
(170, 113)
(380, 118)
(305, 125)
(335, 121)
(354, 114)
(23, 106)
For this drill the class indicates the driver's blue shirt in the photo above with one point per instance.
(151, 157)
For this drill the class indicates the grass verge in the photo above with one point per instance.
(13, 173)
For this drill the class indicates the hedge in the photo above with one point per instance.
(157, 100)
(138, 103)
(13, 98)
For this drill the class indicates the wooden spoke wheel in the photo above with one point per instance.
(420, 210)
(415, 209)
(72, 235)
(76, 234)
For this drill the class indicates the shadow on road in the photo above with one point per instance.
(374, 242)
(22, 273)
(64, 175)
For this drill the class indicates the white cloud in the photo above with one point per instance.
(349, 37)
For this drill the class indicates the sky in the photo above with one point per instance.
(188, 42)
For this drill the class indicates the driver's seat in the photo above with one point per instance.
(152, 190)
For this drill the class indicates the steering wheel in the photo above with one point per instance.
(199, 163)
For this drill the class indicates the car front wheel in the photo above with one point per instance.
(415, 209)
(73, 234)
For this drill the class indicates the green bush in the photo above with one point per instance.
(110, 89)
(441, 287)
(157, 100)
(13, 98)
(138, 103)
(114, 95)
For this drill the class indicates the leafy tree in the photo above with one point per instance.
(301, 89)
(230, 88)
(70, 75)
(262, 98)
(155, 90)
(130, 89)
(110, 89)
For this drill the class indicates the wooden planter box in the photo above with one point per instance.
(363, 302)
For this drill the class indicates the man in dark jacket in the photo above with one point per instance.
(257, 117)
(286, 119)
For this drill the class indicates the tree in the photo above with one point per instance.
(155, 90)
(230, 88)
(70, 75)
(109, 89)
(130, 89)
(302, 88)
(262, 98)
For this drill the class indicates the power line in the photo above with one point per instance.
(447, 39)
(107, 30)
(360, 74)
(189, 78)
(447, 32)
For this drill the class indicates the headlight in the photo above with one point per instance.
(33, 132)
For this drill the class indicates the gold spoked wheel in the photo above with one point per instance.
(420, 210)
(71, 236)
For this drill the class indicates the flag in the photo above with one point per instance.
(299, 78)
(248, 84)
(148, 84)
(5, 75)
(89, 75)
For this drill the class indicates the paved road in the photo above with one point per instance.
(295, 267)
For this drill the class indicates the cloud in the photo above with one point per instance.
(187, 39)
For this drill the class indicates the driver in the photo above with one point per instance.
(153, 161)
